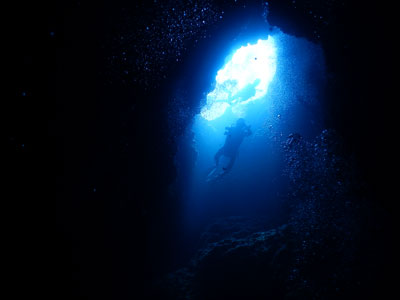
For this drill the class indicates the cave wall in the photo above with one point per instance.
(112, 148)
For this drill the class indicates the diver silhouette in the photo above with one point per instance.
(234, 137)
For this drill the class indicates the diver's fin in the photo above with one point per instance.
(212, 172)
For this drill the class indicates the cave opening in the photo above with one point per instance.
(276, 85)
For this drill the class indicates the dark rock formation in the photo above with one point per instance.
(246, 265)
(317, 254)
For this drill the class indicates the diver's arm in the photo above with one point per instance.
(227, 130)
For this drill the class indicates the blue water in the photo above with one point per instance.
(256, 185)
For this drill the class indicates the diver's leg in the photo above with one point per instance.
(230, 165)
(218, 155)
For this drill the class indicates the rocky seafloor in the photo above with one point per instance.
(329, 247)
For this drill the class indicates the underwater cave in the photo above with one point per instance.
(277, 86)
(217, 149)
(271, 195)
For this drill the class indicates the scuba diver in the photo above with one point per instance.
(234, 137)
